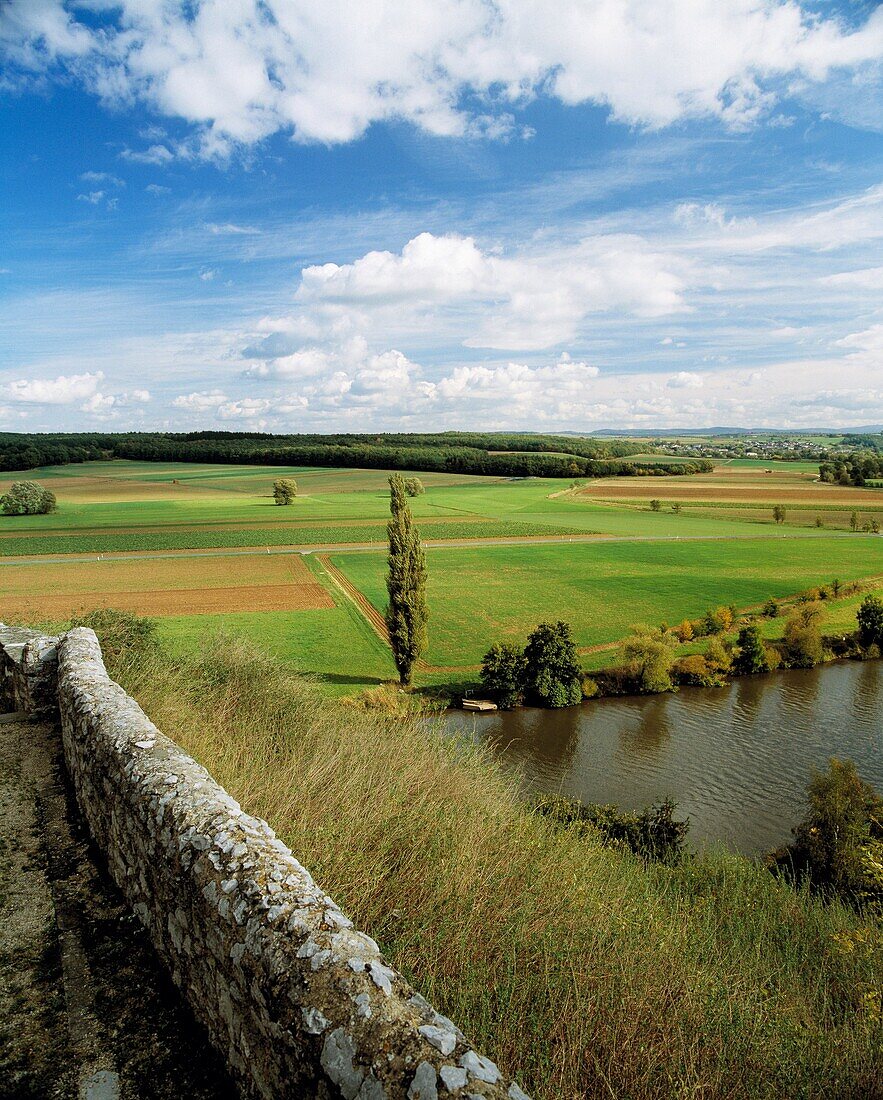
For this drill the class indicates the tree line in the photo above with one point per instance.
(855, 468)
(502, 455)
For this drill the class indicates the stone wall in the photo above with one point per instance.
(28, 671)
(299, 1002)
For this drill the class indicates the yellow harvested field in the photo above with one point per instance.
(174, 586)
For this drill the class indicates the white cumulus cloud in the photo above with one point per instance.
(526, 301)
(240, 70)
(63, 390)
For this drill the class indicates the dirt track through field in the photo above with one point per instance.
(369, 611)
(373, 617)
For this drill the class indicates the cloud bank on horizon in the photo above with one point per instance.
(441, 213)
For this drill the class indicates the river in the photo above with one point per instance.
(735, 759)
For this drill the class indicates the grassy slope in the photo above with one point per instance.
(484, 595)
(583, 974)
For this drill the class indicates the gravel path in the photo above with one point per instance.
(85, 1010)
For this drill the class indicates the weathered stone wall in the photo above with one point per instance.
(300, 1003)
(28, 670)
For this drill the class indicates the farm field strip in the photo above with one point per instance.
(184, 601)
(103, 543)
(838, 497)
(479, 596)
(123, 574)
(198, 528)
(305, 549)
(173, 587)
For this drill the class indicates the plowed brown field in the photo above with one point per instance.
(185, 601)
(177, 586)
(807, 493)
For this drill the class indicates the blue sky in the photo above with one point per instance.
(286, 216)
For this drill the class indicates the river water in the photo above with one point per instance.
(735, 759)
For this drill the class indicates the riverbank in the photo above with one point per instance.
(836, 622)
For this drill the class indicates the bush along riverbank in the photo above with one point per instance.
(706, 652)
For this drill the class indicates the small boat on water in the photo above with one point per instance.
(478, 704)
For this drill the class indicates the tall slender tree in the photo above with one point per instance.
(406, 613)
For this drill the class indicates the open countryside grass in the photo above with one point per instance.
(476, 595)
(583, 973)
(482, 595)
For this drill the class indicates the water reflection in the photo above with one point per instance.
(651, 730)
(735, 759)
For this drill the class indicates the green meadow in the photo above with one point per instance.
(645, 565)
(482, 595)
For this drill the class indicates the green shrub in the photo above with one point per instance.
(750, 652)
(771, 609)
(719, 620)
(719, 656)
(647, 658)
(802, 639)
(503, 674)
(652, 834)
(694, 671)
(838, 847)
(590, 688)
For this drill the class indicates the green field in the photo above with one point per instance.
(479, 596)
(722, 547)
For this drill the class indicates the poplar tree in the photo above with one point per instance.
(407, 613)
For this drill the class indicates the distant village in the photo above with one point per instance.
(775, 447)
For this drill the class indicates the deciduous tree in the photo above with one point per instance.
(870, 621)
(503, 673)
(750, 652)
(284, 490)
(552, 669)
(27, 498)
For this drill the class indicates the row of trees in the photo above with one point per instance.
(506, 455)
(855, 468)
(546, 671)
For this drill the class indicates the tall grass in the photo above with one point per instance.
(579, 970)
